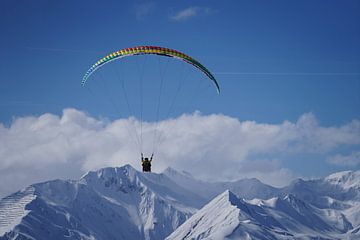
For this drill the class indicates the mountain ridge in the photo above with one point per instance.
(111, 203)
(123, 203)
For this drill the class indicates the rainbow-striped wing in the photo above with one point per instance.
(149, 50)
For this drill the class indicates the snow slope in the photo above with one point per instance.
(339, 191)
(229, 217)
(112, 203)
(122, 203)
(12, 209)
(327, 208)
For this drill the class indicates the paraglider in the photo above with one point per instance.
(148, 50)
(146, 162)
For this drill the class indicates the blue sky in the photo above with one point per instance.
(275, 60)
(283, 37)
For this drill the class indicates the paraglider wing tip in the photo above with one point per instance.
(83, 81)
(216, 85)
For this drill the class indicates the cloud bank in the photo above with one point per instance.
(215, 147)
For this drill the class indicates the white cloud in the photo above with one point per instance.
(185, 14)
(351, 160)
(213, 147)
(190, 12)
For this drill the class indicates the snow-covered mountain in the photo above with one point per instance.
(122, 203)
(112, 203)
(229, 217)
(247, 188)
(316, 209)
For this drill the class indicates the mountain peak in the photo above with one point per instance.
(126, 171)
(129, 167)
(347, 179)
(110, 203)
(169, 171)
(229, 196)
(226, 217)
(151, 206)
(204, 224)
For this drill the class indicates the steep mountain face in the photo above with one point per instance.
(12, 209)
(122, 203)
(229, 217)
(112, 203)
(326, 208)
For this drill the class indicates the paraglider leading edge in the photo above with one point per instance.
(140, 50)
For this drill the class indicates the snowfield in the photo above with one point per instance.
(122, 203)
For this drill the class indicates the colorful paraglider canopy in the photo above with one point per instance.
(139, 50)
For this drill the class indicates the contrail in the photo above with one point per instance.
(61, 50)
(290, 74)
